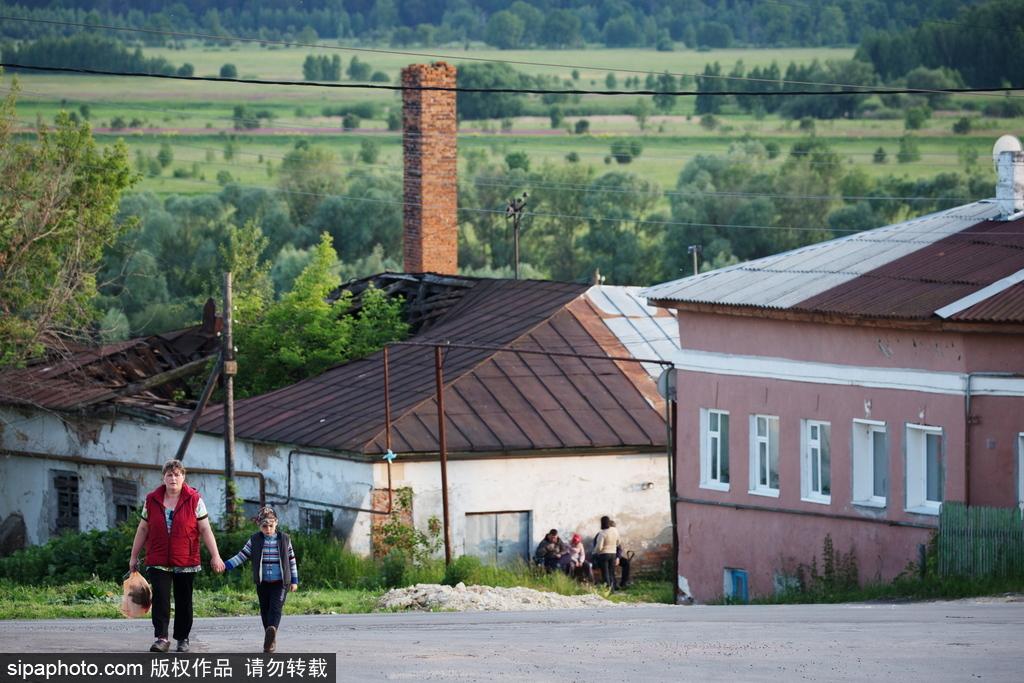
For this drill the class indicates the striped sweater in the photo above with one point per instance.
(270, 562)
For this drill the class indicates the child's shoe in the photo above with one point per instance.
(270, 639)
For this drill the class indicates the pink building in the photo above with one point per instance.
(847, 389)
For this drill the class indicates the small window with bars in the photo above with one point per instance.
(124, 499)
(65, 486)
(314, 520)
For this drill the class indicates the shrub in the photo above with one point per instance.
(394, 120)
(229, 71)
(962, 126)
(915, 117)
(350, 121)
(582, 127)
(709, 121)
(462, 570)
(908, 150)
(323, 560)
(879, 156)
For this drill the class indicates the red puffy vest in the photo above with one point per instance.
(180, 548)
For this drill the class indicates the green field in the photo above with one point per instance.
(195, 118)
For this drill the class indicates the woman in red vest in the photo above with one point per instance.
(172, 552)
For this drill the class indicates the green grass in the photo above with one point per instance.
(96, 599)
(905, 589)
(195, 116)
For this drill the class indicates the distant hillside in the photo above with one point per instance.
(539, 23)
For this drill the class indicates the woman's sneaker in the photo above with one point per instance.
(160, 645)
(270, 639)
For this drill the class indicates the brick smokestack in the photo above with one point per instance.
(430, 225)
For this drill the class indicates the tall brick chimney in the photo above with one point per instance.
(430, 225)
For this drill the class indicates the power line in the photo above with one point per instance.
(867, 90)
(227, 37)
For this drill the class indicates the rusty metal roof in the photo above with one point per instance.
(81, 377)
(911, 270)
(495, 401)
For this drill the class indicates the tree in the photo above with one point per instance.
(641, 110)
(358, 70)
(307, 174)
(908, 151)
(666, 84)
(369, 151)
(166, 155)
(504, 30)
(58, 198)
(475, 105)
(303, 335)
(622, 31)
(915, 117)
(229, 71)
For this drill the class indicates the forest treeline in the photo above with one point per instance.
(520, 24)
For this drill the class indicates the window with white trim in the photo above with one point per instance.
(764, 455)
(925, 480)
(870, 463)
(714, 449)
(816, 461)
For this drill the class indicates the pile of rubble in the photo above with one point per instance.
(463, 598)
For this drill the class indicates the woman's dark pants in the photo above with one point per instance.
(163, 583)
(272, 596)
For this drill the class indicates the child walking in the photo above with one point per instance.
(273, 574)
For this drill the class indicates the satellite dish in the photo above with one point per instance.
(1006, 143)
(667, 384)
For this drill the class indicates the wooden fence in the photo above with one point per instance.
(980, 542)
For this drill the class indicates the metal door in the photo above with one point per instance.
(498, 538)
(513, 535)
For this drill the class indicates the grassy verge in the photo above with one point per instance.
(96, 599)
(904, 590)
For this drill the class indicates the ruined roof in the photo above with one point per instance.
(959, 264)
(146, 373)
(495, 401)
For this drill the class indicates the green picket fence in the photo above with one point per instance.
(980, 542)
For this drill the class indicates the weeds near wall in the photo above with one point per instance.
(399, 544)
(838, 574)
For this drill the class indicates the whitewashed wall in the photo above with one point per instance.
(568, 493)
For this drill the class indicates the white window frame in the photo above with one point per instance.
(863, 450)
(711, 446)
(756, 441)
(811, 448)
(916, 471)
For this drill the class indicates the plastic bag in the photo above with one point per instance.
(137, 597)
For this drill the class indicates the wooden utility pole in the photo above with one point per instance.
(230, 368)
(514, 210)
(442, 445)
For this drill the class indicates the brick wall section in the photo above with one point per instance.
(430, 225)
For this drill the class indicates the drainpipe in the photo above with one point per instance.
(134, 466)
(969, 421)
(671, 418)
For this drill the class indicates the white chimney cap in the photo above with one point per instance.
(1006, 143)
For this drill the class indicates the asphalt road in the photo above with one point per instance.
(950, 641)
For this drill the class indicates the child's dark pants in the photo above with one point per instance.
(272, 596)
